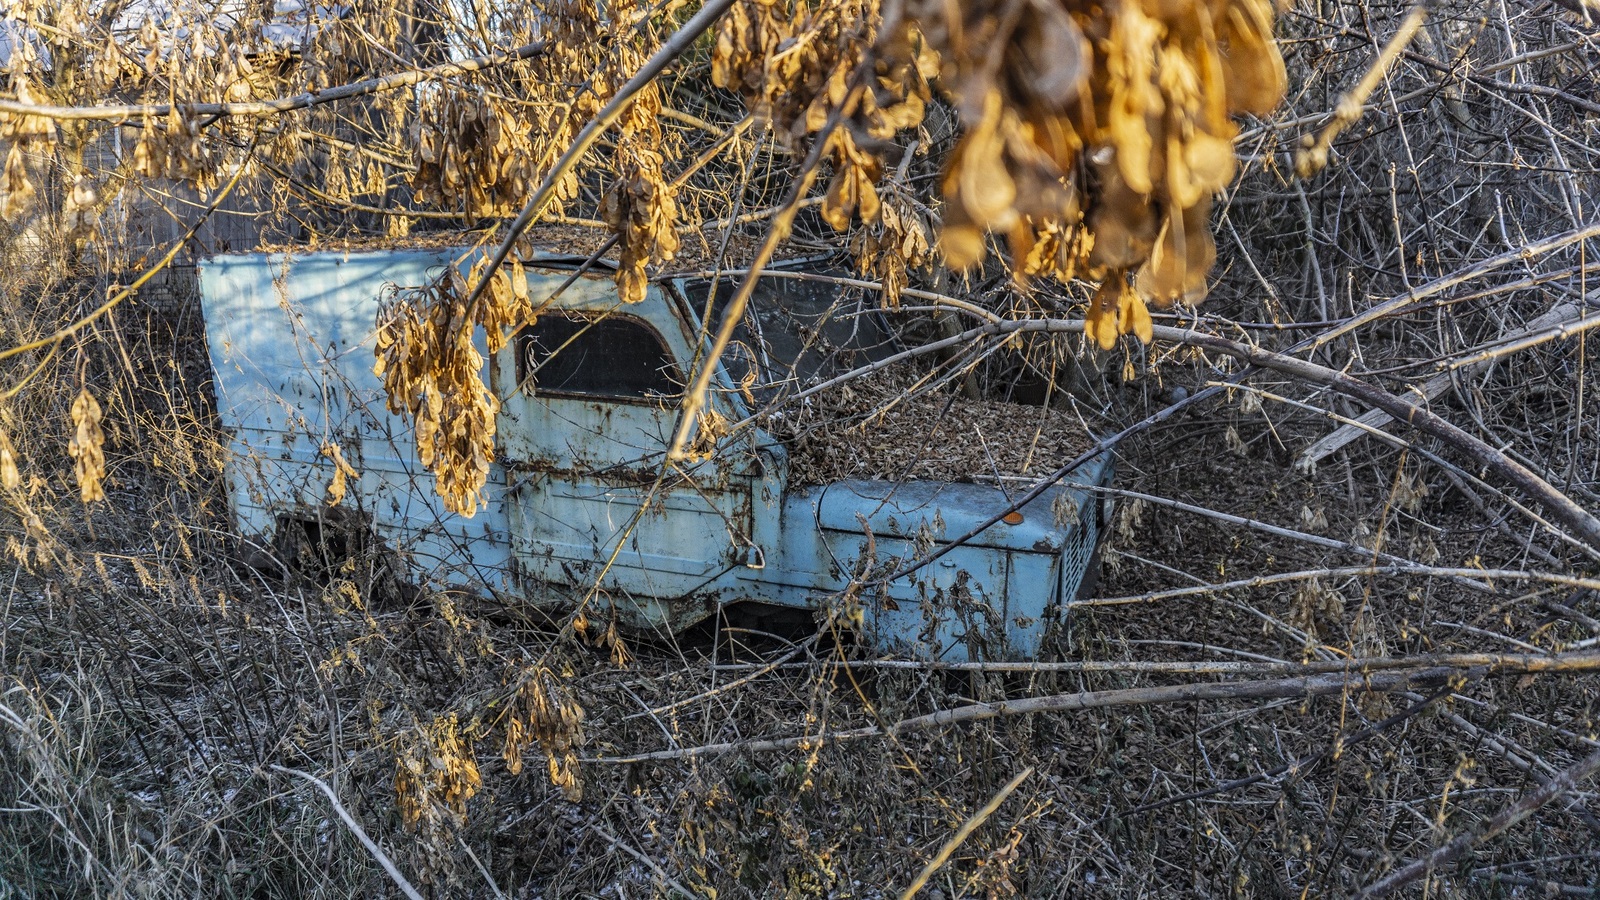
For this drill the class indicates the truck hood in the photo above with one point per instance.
(942, 511)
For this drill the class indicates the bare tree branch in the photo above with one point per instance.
(266, 108)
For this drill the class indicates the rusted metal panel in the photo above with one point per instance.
(291, 341)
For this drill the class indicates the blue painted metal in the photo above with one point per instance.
(579, 509)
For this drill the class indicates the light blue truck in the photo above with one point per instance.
(575, 511)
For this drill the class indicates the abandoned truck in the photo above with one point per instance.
(574, 510)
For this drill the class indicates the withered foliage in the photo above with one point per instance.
(343, 472)
(435, 775)
(803, 67)
(1093, 136)
(433, 373)
(640, 207)
(22, 133)
(900, 241)
(87, 447)
(1097, 138)
(473, 152)
(1095, 133)
(543, 711)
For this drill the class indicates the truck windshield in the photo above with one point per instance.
(799, 328)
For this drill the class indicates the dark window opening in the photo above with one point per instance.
(796, 331)
(616, 357)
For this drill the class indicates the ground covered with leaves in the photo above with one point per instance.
(162, 700)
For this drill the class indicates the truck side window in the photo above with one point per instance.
(616, 358)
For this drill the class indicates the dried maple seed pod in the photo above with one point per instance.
(86, 447)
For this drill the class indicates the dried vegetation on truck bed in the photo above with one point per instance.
(878, 427)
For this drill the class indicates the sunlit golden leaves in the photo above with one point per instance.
(173, 147)
(1096, 135)
(543, 710)
(798, 67)
(1116, 310)
(87, 447)
(475, 154)
(22, 134)
(640, 206)
(433, 373)
(852, 191)
(20, 128)
(19, 192)
(342, 473)
(900, 241)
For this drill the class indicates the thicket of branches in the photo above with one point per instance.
(1197, 729)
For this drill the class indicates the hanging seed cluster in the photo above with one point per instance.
(473, 154)
(172, 147)
(544, 712)
(1097, 142)
(798, 68)
(1095, 134)
(481, 155)
(87, 447)
(22, 133)
(641, 210)
(433, 374)
(901, 240)
(640, 207)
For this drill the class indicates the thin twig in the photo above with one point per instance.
(356, 829)
(962, 833)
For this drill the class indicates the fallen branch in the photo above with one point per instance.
(1493, 663)
(1584, 525)
(1412, 299)
(1260, 581)
(1553, 324)
(962, 833)
(1271, 689)
(1473, 581)
(1561, 507)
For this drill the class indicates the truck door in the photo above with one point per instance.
(589, 399)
